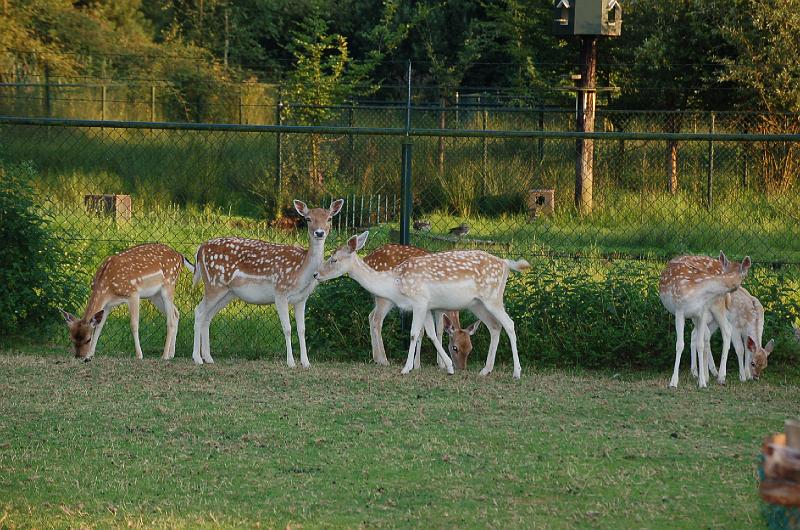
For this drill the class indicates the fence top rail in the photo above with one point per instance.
(400, 131)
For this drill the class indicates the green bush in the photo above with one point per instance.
(33, 270)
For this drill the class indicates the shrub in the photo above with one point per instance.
(31, 272)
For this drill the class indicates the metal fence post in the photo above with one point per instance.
(103, 94)
(485, 159)
(278, 153)
(351, 121)
(405, 172)
(152, 103)
(710, 177)
(541, 128)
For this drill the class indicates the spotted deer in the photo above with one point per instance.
(746, 317)
(688, 288)
(148, 271)
(446, 281)
(261, 273)
(459, 345)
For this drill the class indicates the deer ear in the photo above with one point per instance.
(69, 318)
(723, 259)
(448, 324)
(301, 207)
(362, 240)
(472, 328)
(751, 344)
(97, 318)
(745, 266)
(336, 206)
(770, 345)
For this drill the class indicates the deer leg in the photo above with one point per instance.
(726, 329)
(738, 346)
(417, 319)
(133, 309)
(693, 351)
(494, 328)
(300, 320)
(211, 304)
(699, 338)
(442, 356)
(679, 323)
(499, 313)
(439, 320)
(96, 334)
(376, 318)
(282, 305)
(712, 367)
(163, 303)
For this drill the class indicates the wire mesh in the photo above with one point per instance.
(512, 196)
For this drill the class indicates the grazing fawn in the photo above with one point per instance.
(688, 288)
(459, 345)
(746, 316)
(446, 281)
(147, 271)
(261, 273)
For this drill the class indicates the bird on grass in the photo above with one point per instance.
(460, 230)
(422, 225)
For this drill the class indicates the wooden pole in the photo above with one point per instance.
(584, 177)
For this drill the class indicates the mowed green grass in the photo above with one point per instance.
(152, 444)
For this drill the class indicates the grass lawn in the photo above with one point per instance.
(122, 443)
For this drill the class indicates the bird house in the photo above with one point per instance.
(587, 17)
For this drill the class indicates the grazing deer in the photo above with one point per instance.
(446, 281)
(688, 288)
(145, 271)
(387, 258)
(261, 273)
(746, 316)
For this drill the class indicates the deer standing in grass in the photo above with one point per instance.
(459, 345)
(261, 273)
(689, 288)
(446, 281)
(147, 271)
(746, 317)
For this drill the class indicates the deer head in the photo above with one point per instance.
(343, 258)
(760, 356)
(318, 219)
(460, 345)
(81, 331)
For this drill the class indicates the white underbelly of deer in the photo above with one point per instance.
(451, 295)
(257, 290)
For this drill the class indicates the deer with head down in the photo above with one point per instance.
(261, 273)
(445, 281)
(148, 271)
(459, 346)
(689, 288)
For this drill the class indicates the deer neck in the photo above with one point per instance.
(95, 304)
(722, 284)
(381, 284)
(311, 262)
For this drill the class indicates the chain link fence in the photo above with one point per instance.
(498, 179)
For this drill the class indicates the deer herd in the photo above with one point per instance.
(434, 287)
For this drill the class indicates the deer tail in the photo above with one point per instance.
(198, 265)
(518, 265)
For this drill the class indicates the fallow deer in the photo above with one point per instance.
(261, 273)
(147, 271)
(388, 257)
(447, 281)
(688, 288)
(746, 316)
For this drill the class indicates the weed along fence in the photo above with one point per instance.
(591, 297)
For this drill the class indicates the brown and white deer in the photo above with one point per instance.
(445, 281)
(746, 317)
(148, 271)
(261, 273)
(689, 288)
(386, 258)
